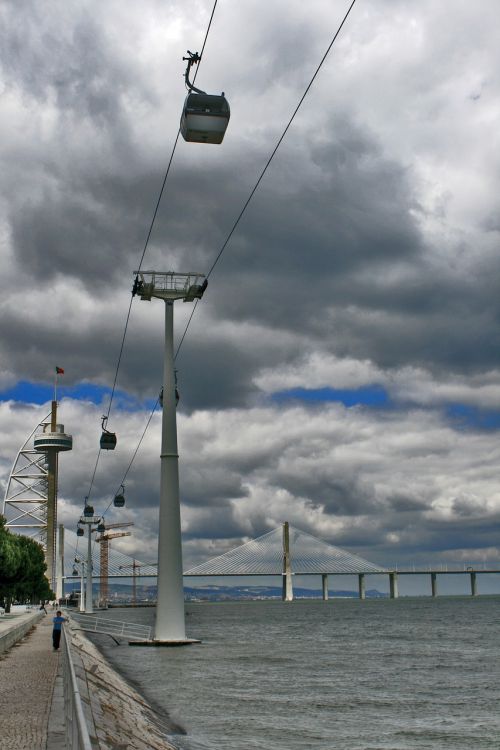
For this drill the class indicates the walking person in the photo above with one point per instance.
(56, 632)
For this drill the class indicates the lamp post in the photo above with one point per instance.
(170, 621)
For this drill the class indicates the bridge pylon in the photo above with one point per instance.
(287, 595)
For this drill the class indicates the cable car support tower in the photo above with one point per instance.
(170, 620)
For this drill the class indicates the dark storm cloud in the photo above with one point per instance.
(405, 504)
(48, 242)
(337, 235)
(470, 508)
(68, 56)
(339, 495)
(438, 536)
(226, 379)
(217, 523)
(334, 234)
(218, 485)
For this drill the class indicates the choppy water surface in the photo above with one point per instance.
(337, 675)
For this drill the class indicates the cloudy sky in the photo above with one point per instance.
(343, 369)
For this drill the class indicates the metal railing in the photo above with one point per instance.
(77, 733)
(107, 626)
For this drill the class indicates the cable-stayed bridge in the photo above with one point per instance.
(258, 557)
(285, 551)
(264, 556)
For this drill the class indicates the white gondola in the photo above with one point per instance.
(205, 116)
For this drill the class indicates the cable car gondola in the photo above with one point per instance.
(88, 511)
(101, 528)
(79, 531)
(119, 499)
(108, 439)
(204, 116)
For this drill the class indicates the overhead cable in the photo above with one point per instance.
(271, 157)
(148, 236)
(252, 192)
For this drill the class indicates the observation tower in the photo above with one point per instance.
(30, 501)
(52, 441)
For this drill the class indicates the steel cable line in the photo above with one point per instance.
(271, 157)
(153, 222)
(134, 454)
(148, 236)
(129, 311)
(128, 467)
(254, 189)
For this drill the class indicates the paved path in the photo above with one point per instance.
(27, 676)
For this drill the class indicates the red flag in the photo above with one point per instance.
(59, 371)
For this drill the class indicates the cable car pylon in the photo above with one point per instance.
(170, 619)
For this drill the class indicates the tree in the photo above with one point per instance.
(22, 569)
(31, 583)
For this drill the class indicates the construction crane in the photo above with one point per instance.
(104, 538)
(136, 566)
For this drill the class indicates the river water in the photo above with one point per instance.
(338, 675)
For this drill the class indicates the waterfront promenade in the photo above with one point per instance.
(28, 670)
(31, 692)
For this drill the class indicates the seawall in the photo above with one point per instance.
(117, 715)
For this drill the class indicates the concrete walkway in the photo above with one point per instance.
(27, 677)
(32, 700)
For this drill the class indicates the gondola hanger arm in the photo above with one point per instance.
(193, 59)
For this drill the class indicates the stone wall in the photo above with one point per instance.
(13, 630)
(117, 715)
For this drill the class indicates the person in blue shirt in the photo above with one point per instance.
(56, 632)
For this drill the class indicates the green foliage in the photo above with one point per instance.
(22, 569)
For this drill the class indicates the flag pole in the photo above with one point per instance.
(59, 371)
